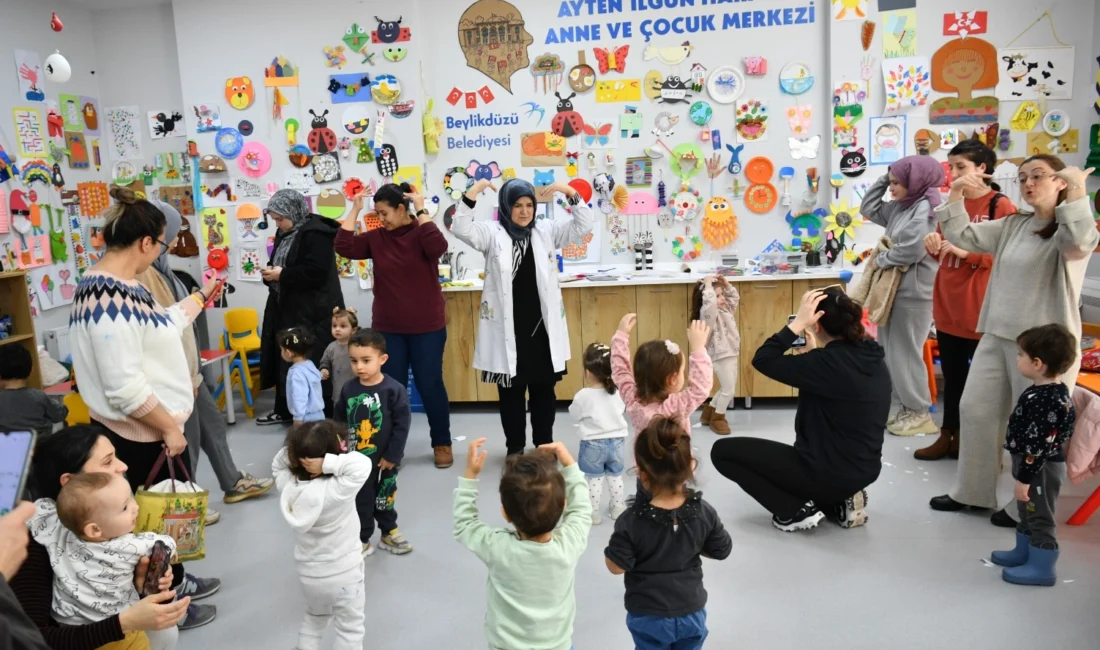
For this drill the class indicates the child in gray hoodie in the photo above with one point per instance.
(318, 481)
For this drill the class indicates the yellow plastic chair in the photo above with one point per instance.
(242, 327)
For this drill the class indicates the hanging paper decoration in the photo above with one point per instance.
(800, 118)
(908, 85)
(669, 55)
(964, 65)
(281, 73)
(719, 222)
(582, 77)
(548, 68)
(752, 120)
(612, 59)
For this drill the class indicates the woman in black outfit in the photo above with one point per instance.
(844, 401)
(303, 289)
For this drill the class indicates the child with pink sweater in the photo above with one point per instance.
(655, 384)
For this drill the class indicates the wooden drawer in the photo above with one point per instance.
(765, 306)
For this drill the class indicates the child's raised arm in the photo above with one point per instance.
(470, 531)
(576, 521)
(621, 371)
(700, 376)
(709, 310)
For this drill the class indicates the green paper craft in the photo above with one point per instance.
(681, 161)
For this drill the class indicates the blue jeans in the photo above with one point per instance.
(603, 457)
(674, 633)
(424, 352)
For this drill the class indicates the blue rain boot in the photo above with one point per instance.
(1015, 557)
(1039, 570)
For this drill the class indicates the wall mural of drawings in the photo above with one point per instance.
(492, 36)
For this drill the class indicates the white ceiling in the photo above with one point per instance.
(102, 5)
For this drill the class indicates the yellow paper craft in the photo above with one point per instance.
(410, 175)
(618, 90)
(1026, 117)
(1042, 142)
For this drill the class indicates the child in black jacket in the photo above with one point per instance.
(1038, 429)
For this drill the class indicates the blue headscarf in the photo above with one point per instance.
(511, 192)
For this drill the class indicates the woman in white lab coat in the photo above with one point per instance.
(522, 338)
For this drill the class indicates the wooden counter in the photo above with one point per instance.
(663, 305)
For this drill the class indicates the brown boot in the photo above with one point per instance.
(708, 413)
(719, 425)
(444, 457)
(941, 448)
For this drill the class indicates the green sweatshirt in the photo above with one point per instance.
(531, 601)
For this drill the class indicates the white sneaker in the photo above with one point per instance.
(368, 549)
(212, 517)
(913, 423)
(616, 511)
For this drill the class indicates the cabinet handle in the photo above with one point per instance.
(765, 286)
(608, 293)
(660, 290)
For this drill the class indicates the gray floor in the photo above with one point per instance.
(911, 578)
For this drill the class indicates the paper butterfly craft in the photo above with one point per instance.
(478, 171)
(612, 59)
(804, 147)
(597, 134)
(334, 56)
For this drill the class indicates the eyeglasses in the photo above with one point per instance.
(163, 246)
(1035, 178)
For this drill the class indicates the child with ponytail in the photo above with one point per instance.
(598, 410)
(715, 303)
(659, 540)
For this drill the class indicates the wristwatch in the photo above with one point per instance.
(422, 212)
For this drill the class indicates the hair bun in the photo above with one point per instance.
(405, 187)
(123, 195)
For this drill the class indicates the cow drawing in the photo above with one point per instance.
(1031, 74)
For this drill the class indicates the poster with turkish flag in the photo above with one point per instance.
(965, 23)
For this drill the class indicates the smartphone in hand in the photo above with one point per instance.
(159, 560)
(800, 342)
(15, 462)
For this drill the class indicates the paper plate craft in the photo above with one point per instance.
(387, 161)
(211, 164)
(582, 77)
(1056, 123)
(567, 122)
(548, 68)
(326, 168)
(300, 155)
(239, 92)
(726, 84)
(674, 90)
(964, 65)
(684, 203)
(321, 138)
(701, 112)
(669, 55)
(353, 187)
(583, 187)
(356, 119)
(752, 120)
(401, 110)
(719, 222)
(453, 188)
(255, 159)
(687, 248)
(385, 89)
(853, 163)
(228, 142)
(331, 203)
(761, 196)
(795, 78)
(281, 72)
(686, 160)
(664, 124)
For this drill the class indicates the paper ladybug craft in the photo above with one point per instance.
(321, 138)
(568, 122)
(479, 171)
(390, 31)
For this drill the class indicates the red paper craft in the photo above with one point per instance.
(454, 96)
(965, 23)
(486, 94)
(612, 59)
(471, 100)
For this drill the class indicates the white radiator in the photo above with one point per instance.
(57, 343)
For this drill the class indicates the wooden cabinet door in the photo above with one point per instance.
(601, 310)
(573, 380)
(765, 305)
(663, 313)
(458, 357)
(739, 390)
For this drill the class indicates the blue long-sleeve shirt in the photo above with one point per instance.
(303, 392)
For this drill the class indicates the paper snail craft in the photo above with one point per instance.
(761, 196)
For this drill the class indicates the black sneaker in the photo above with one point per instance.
(852, 511)
(1002, 519)
(273, 418)
(197, 616)
(806, 518)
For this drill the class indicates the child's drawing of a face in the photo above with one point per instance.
(888, 136)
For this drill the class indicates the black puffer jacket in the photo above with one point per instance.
(309, 289)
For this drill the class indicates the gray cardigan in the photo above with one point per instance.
(906, 228)
(1034, 281)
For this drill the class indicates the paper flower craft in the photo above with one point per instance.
(841, 222)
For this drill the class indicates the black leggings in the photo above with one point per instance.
(513, 413)
(776, 476)
(956, 353)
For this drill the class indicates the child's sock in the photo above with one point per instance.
(595, 492)
(615, 484)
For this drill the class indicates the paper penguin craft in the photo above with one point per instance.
(387, 161)
(500, 52)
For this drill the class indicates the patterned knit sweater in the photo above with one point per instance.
(128, 354)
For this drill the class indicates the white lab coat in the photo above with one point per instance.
(495, 350)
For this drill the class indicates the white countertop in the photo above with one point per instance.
(660, 276)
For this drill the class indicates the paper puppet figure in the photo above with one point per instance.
(963, 65)
(494, 41)
(479, 171)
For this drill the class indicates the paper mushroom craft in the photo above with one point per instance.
(58, 70)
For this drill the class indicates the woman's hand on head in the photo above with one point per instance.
(1075, 178)
(478, 187)
(564, 188)
(416, 199)
(808, 313)
(975, 181)
(154, 612)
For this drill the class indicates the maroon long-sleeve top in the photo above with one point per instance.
(407, 296)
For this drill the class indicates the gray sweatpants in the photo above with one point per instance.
(903, 338)
(1037, 513)
(992, 388)
(205, 430)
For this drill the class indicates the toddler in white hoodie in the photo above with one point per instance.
(318, 480)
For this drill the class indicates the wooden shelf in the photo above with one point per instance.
(16, 339)
(15, 303)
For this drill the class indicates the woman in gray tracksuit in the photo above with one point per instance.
(914, 183)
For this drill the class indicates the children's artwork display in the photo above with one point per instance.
(70, 112)
(249, 265)
(207, 118)
(78, 150)
(752, 120)
(899, 33)
(965, 23)
(180, 197)
(887, 139)
(29, 132)
(123, 132)
(349, 88)
(94, 198)
(1035, 73)
(29, 73)
(544, 149)
(89, 107)
(1042, 142)
(908, 84)
(215, 228)
(54, 285)
(166, 124)
(610, 91)
(849, 9)
(492, 36)
(964, 65)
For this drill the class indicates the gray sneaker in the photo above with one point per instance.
(197, 616)
(246, 487)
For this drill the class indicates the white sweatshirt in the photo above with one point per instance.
(598, 414)
(322, 513)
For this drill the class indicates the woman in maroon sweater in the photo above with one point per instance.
(408, 302)
(56, 457)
